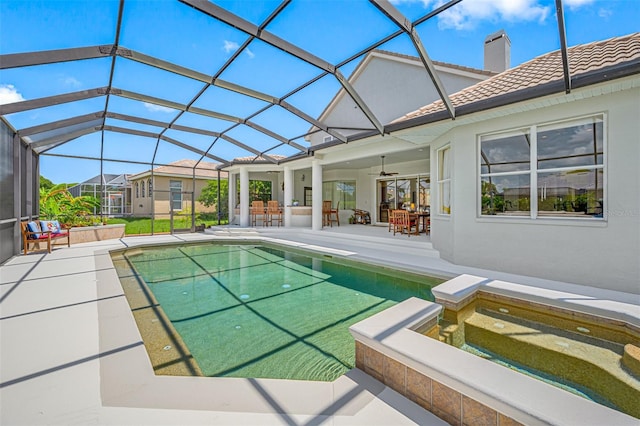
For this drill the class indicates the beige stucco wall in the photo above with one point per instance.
(143, 206)
(599, 253)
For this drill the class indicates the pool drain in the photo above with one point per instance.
(166, 348)
(286, 286)
(244, 296)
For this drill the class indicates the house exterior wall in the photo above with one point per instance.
(390, 88)
(599, 253)
(143, 206)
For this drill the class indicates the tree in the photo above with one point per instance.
(209, 196)
(58, 203)
(46, 183)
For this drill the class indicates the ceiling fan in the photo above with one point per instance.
(382, 172)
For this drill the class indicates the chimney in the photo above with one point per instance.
(497, 52)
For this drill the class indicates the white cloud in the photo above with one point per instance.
(575, 4)
(157, 108)
(71, 82)
(230, 46)
(466, 14)
(604, 13)
(9, 94)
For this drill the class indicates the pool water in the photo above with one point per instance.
(260, 312)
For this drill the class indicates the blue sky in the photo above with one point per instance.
(332, 30)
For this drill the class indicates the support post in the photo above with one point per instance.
(288, 194)
(244, 197)
(316, 188)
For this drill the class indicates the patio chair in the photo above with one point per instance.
(258, 212)
(326, 213)
(391, 219)
(274, 212)
(335, 212)
(404, 222)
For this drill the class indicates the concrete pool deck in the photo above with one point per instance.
(70, 352)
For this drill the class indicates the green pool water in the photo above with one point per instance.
(260, 312)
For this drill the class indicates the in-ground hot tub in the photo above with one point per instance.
(401, 347)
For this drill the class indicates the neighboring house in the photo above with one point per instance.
(113, 191)
(393, 84)
(172, 187)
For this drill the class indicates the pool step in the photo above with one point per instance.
(581, 359)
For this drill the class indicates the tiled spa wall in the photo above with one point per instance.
(446, 403)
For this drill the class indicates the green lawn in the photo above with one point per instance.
(142, 225)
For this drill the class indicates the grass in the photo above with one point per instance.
(142, 225)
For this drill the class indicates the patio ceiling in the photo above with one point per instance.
(216, 107)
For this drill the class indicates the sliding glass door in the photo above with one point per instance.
(412, 192)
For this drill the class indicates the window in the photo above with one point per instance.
(444, 180)
(137, 190)
(149, 187)
(551, 170)
(343, 192)
(175, 186)
(258, 190)
(505, 173)
(142, 188)
(308, 196)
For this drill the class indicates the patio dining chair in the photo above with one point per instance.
(258, 212)
(334, 215)
(404, 222)
(274, 212)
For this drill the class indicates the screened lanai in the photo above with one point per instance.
(105, 87)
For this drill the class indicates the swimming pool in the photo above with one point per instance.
(256, 311)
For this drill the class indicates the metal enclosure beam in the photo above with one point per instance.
(51, 100)
(16, 60)
(192, 149)
(163, 65)
(405, 25)
(247, 148)
(247, 27)
(42, 128)
(235, 21)
(563, 47)
(53, 142)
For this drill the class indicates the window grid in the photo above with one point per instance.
(444, 180)
(573, 189)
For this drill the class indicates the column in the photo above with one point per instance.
(244, 197)
(232, 196)
(288, 194)
(316, 188)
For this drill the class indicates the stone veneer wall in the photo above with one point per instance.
(446, 403)
(88, 234)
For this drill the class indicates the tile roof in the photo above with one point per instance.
(182, 167)
(258, 159)
(439, 63)
(542, 70)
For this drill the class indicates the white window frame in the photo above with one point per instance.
(443, 180)
(172, 190)
(534, 171)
